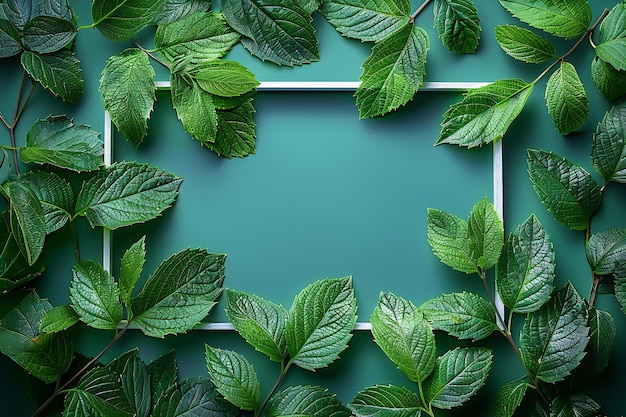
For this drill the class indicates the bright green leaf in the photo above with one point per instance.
(59, 318)
(236, 136)
(195, 109)
(577, 405)
(163, 373)
(9, 39)
(449, 240)
(611, 47)
(224, 78)
(566, 99)
(60, 73)
(610, 82)
(191, 397)
(606, 250)
(46, 34)
(524, 45)
(602, 334)
(131, 266)
(14, 268)
(486, 234)
(28, 223)
(120, 20)
(387, 401)
(509, 397)
(608, 151)
(458, 25)
(305, 401)
(173, 10)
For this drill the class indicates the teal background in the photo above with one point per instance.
(327, 195)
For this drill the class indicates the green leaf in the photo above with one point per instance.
(131, 266)
(485, 114)
(563, 18)
(260, 322)
(486, 234)
(509, 397)
(191, 398)
(524, 45)
(9, 39)
(234, 377)
(602, 334)
(120, 20)
(367, 20)
(620, 285)
(526, 269)
(55, 8)
(463, 315)
(449, 240)
(46, 34)
(136, 385)
(388, 400)
(59, 318)
(393, 72)
(181, 292)
(28, 223)
(197, 38)
(566, 99)
(5, 166)
(57, 141)
(236, 137)
(194, 108)
(125, 194)
(608, 151)
(59, 73)
(458, 375)
(18, 12)
(612, 44)
(610, 82)
(225, 78)
(173, 10)
(44, 355)
(95, 296)
(458, 25)
(14, 268)
(163, 374)
(606, 250)
(553, 339)
(305, 401)
(320, 323)
(566, 190)
(280, 31)
(577, 405)
(128, 92)
(405, 336)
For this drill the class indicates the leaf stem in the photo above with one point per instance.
(150, 54)
(274, 388)
(103, 18)
(74, 239)
(419, 10)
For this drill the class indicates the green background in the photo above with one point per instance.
(327, 195)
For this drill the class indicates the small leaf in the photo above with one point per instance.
(612, 45)
(458, 25)
(131, 266)
(367, 20)
(393, 72)
(195, 109)
(59, 318)
(524, 45)
(566, 190)
(128, 92)
(234, 377)
(236, 136)
(610, 82)
(57, 141)
(486, 234)
(173, 10)
(181, 292)
(509, 397)
(566, 99)
(320, 323)
(606, 250)
(448, 238)
(608, 151)
(577, 405)
(60, 73)
(163, 373)
(193, 397)
(125, 194)
(14, 268)
(602, 334)
(28, 223)
(9, 39)
(225, 78)
(387, 400)
(46, 34)
(485, 114)
(305, 401)
(121, 20)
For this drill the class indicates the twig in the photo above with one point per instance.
(419, 10)
(150, 54)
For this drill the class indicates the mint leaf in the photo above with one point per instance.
(458, 25)
(610, 82)
(486, 234)
(59, 73)
(449, 240)
(131, 266)
(173, 10)
(98, 392)
(224, 78)
(45, 34)
(55, 195)
(305, 401)
(566, 99)
(28, 223)
(606, 251)
(10, 44)
(509, 397)
(387, 400)
(612, 45)
(602, 335)
(575, 405)
(14, 268)
(608, 150)
(120, 20)
(191, 397)
(163, 373)
(194, 108)
(57, 319)
(236, 136)
(524, 45)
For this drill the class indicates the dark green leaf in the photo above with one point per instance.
(509, 397)
(28, 223)
(388, 400)
(225, 78)
(45, 34)
(305, 401)
(566, 190)
(54, 8)
(163, 373)
(612, 45)
(131, 266)
(608, 151)
(577, 405)
(173, 10)
(194, 108)
(235, 132)
(18, 12)
(486, 234)
(601, 341)
(120, 20)
(610, 82)
(566, 99)
(60, 73)
(98, 393)
(6, 167)
(10, 43)
(136, 385)
(55, 195)
(458, 25)
(449, 240)
(58, 319)
(14, 268)
(606, 251)
(194, 397)
(524, 45)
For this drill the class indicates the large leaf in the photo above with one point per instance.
(563, 18)
(163, 373)
(387, 400)
(173, 10)
(509, 397)
(9, 39)
(18, 12)
(603, 332)
(320, 323)
(236, 136)
(28, 223)
(566, 190)
(224, 78)
(606, 251)
(485, 114)
(260, 322)
(305, 401)
(135, 380)
(449, 240)
(367, 20)
(95, 296)
(128, 92)
(612, 45)
(280, 31)
(463, 315)
(610, 82)
(45, 34)
(60, 73)
(405, 336)
(181, 292)
(577, 405)
(486, 234)
(458, 25)
(120, 20)
(14, 268)
(131, 266)
(608, 151)
(195, 109)
(458, 375)
(125, 194)
(393, 72)
(55, 195)
(553, 339)
(57, 141)
(566, 99)
(524, 45)
(526, 269)
(195, 397)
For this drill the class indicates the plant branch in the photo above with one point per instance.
(419, 10)
(274, 388)
(150, 54)
(74, 239)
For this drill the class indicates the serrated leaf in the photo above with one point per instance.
(320, 323)
(527, 268)
(485, 114)
(128, 92)
(163, 373)
(191, 398)
(234, 377)
(46, 34)
(566, 99)
(18, 12)
(28, 223)
(131, 266)
(553, 339)
(224, 78)
(463, 315)
(195, 109)
(566, 190)
(524, 45)
(602, 334)
(486, 234)
(458, 25)
(60, 73)
(405, 336)
(577, 405)
(610, 82)
(55, 195)
(280, 31)
(197, 38)
(449, 240)
(120, 20)
(180, 293)
(136, 386)
(387, 401)
(9, 39)
(95, 296)
(173, 10)
(611, 47)
(260, 322)
(367, 20)
(606, 251)
(236, 135)
(125, 194)
(57, 319)
(393, 72)
(620, 286)
(608, 150)
(563, 18)
(14, 268)
(305, 401)
(57, 141)
(458, 375)
(509, 397)
(55, 8)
